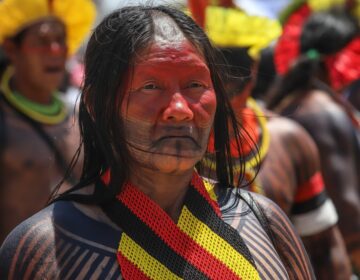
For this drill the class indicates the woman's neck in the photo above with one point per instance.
(167, 190)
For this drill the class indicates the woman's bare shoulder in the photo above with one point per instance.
(286, 241)
(24, 242)
(48, 244)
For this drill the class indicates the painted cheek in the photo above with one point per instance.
(205, 109)
(53, 50)
(142, 108)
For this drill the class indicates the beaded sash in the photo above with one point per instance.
(199, 246)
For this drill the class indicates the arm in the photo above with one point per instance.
(286, 241)
(328, 254)
(313, 213)
(336, 143)
(27, 251)
(61, 242)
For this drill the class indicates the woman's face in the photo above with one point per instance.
(169, 107)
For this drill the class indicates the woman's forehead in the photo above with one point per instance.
(168, 51)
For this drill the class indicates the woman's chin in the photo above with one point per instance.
(173, 164)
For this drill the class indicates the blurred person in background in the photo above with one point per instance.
(265, 75)
(352, 94)
(38, 136)
(283, 164)
(318, 56)
(281, 159)
(152, 93)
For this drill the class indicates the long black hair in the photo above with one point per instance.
(110, 51)
(326, 33)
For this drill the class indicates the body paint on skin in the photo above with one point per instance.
(169, 107)
(50, 39)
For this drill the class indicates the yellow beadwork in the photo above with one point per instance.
(210, 189)
(42, 118)
(215, 245)
(202, 244)
(263, 149)
(229, 27)
(255, 185)
(150, 266)
(253, 162)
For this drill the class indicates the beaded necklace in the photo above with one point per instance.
(262, 138)
(54, 113)
(255, 123)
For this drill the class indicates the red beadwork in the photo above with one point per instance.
(162, 225)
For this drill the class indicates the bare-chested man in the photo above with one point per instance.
(152, 94)
(282, 162)
(38, 136)
(307, 94)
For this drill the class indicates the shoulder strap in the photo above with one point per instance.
(259, 213)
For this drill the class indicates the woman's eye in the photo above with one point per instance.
(195, 85)
(150, 86)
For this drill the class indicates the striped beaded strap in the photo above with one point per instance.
(199, 246)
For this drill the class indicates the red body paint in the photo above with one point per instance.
(169, 106)
(39, 59)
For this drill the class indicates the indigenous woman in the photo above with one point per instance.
(151, 96)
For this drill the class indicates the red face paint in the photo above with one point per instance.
(51, 49)
(169, 107)
(47, 38)
(41, 55)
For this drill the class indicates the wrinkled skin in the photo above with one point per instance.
(168, 111)
(168, 118)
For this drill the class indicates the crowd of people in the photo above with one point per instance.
(190, 142)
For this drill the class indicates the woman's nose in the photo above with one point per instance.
(178, 109)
